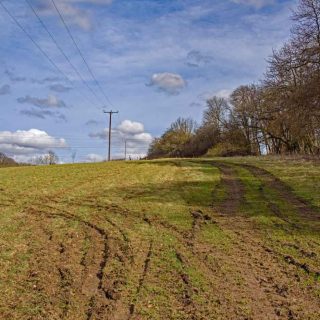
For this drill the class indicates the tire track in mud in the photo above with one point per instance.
(186, 239)
(110, 292)
(305, 209)
(105, 255)
(104, 209)
(254, 256)
(188, 290)
(96, 305)
(141, 282)
(188, 247)
(234, 190)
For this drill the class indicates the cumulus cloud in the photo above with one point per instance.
(5, 89)
(29, 142)
(130, 127)
(170, 83)
(197, 59)
(255, 3)
(59, 88)
(133, 132)
(50, 102)
(126, 130)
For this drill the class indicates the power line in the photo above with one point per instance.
(80, 53)
(60, 49)
(33, 41)
(37, 45)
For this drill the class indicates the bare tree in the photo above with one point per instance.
(73, 155)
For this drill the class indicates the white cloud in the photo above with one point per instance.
(170, 83)
(126, 130)
(29, 142)
(255, 3)
(133, 132)
(204, 96)
(93, 157)
(224, 93)
(130, 127)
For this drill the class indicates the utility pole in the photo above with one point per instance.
(125, 150)
(110, 123)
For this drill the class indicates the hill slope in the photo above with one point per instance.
(178, 239)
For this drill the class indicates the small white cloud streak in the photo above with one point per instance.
(255, 3)
(71, 11)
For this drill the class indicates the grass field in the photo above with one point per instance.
(173, 239)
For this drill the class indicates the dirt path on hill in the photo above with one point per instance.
(271, 284)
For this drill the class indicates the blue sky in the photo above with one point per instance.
(156, 60)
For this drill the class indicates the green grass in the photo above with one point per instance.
(142, 202)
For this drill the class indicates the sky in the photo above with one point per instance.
(151, 60)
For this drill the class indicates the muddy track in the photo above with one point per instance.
(188, 290)
(234, 189)
(305, 209)
(141, 280)
(104, 296)
(103, 260)
(110, 280)
(275, 289)
(112, 291)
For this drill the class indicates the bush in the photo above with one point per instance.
(226, 149)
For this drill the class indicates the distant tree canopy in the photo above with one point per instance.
(281, 115)
(5, 160)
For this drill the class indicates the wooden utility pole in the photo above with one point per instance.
(110, 123)
(125, 149)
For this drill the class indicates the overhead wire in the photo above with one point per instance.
(32, 40)
(60, 49)
(80, 52)
(36, 44)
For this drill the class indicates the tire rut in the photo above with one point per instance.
(100, 303)
(146, 264)
(305, 209)
(251, 254)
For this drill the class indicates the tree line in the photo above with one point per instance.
(280, 115)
